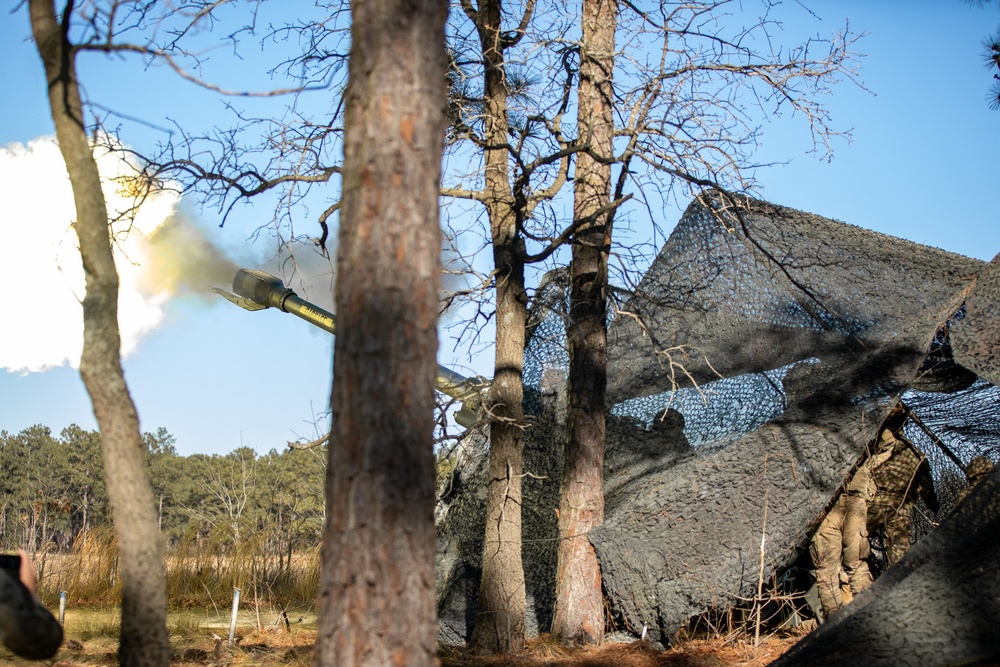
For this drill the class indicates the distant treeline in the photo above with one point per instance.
(52, 492)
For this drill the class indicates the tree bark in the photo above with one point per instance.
(579, 607)
(144, 638)
(377, 589)
(499, 625)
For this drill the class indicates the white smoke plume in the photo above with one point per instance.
(161, 256)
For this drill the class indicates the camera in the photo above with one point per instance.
(11, 563)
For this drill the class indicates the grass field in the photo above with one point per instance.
(200, 582)
(92, 639)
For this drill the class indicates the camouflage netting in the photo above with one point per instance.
(759, 355)
(941, 604)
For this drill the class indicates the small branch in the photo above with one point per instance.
(311, 444)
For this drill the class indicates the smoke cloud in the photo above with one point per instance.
(159, 254)
(183, 262)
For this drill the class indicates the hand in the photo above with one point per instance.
(28, 575)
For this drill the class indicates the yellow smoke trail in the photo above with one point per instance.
(158, 253)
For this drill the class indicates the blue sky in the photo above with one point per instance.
(921, 166)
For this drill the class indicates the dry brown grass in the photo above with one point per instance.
(690, 653)
(200, 572)
(294, 649)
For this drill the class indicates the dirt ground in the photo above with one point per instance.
(718, 652)
(294, 649)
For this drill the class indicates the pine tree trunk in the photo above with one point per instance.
(499, 625)
(579, 607)
(501, 605)
(33, 534)
(377, 590)
(144, 638)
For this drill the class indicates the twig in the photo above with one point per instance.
(760, 578)
(215, 606)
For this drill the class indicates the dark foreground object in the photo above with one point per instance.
(26, 627)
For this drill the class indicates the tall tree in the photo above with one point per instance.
(86, 469)
(33, 478)
(579, 607)
(500, 609)
(686, 120)
(144, 638)
(165, 468)
(377, 591)
(290, 493)
(992, 57)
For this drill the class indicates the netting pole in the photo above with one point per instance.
(236, 609)
(760, 578)
(936, 440)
